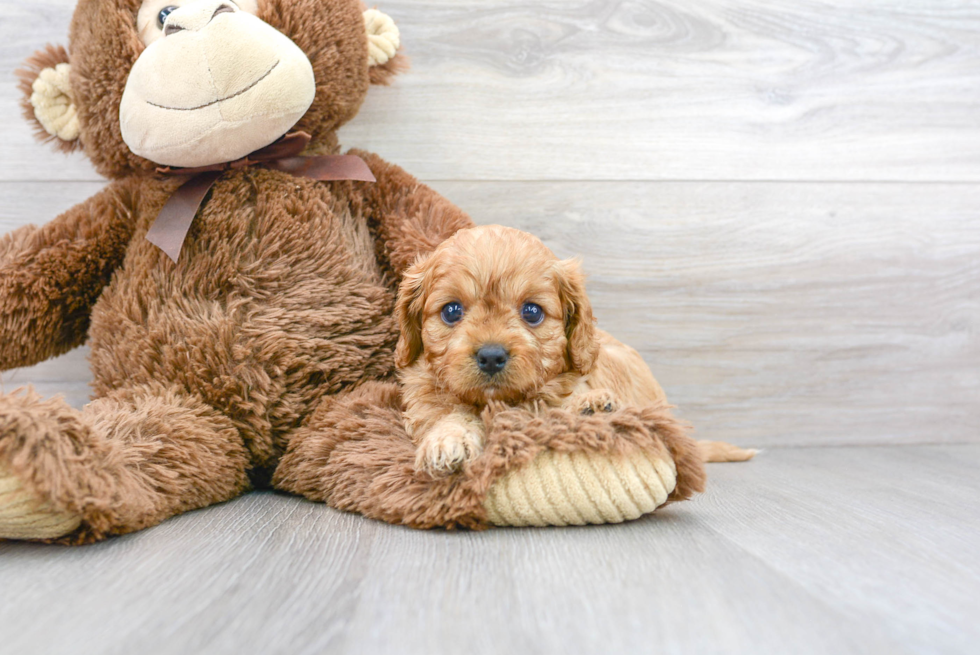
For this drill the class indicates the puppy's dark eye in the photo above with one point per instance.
(532, 314)
(166, 11)
(452, 313)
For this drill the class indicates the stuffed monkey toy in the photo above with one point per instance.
(235, 281)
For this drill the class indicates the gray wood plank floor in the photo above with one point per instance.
(827, 550)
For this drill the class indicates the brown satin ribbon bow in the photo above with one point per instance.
(174, 221)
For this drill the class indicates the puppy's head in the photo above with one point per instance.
(493, 314)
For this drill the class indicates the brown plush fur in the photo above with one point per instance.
(132, 459)
(202, 370)
(355, 455)
(205, 371)
(256, 330)
(50, 277)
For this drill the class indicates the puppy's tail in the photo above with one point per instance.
(719, 451)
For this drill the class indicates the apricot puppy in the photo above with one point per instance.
(492, 314)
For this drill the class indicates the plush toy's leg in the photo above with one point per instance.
(125, 462)
(354, 454)
(551, 467)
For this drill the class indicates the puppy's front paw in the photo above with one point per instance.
(596, 400)
(447, 446)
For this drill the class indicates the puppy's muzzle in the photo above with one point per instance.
(492, 358)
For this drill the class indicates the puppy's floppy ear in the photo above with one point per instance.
(409, 312)
(384, 42)
(583, 344)
(48, 101)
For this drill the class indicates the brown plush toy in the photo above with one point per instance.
(238, 297)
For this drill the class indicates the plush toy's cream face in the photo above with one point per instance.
(214, 83)
(187, 83)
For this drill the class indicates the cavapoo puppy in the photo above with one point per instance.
(493, 315)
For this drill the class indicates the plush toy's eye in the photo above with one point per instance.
(452, 313)
(532, 314)
(162, 16)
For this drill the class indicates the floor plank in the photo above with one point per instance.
(891, 534)
(651, 90)
(772, 313)
(830, 550)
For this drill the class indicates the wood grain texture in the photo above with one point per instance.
(887, 534)
(850, 550)
(639, 90)
(773, 314)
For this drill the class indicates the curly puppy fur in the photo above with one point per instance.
(558, 359)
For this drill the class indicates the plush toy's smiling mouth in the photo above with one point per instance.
(214, 102)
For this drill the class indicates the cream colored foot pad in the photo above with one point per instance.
(24, 516)
(580, 488)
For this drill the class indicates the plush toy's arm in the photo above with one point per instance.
(408, 217)
(50, 276)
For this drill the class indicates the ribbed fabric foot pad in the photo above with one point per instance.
(580, 488)
(25, 516)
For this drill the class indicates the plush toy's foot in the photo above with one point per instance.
(41, 443)
(26, 515)
(557, 467)
(578, 488)
(125, 462)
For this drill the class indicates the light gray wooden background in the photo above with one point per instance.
(778, 204)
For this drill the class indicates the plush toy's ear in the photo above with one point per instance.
(383, 44)
(409, 311)
(48, 100)
(583, 345)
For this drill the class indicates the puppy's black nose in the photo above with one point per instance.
(492, 358)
